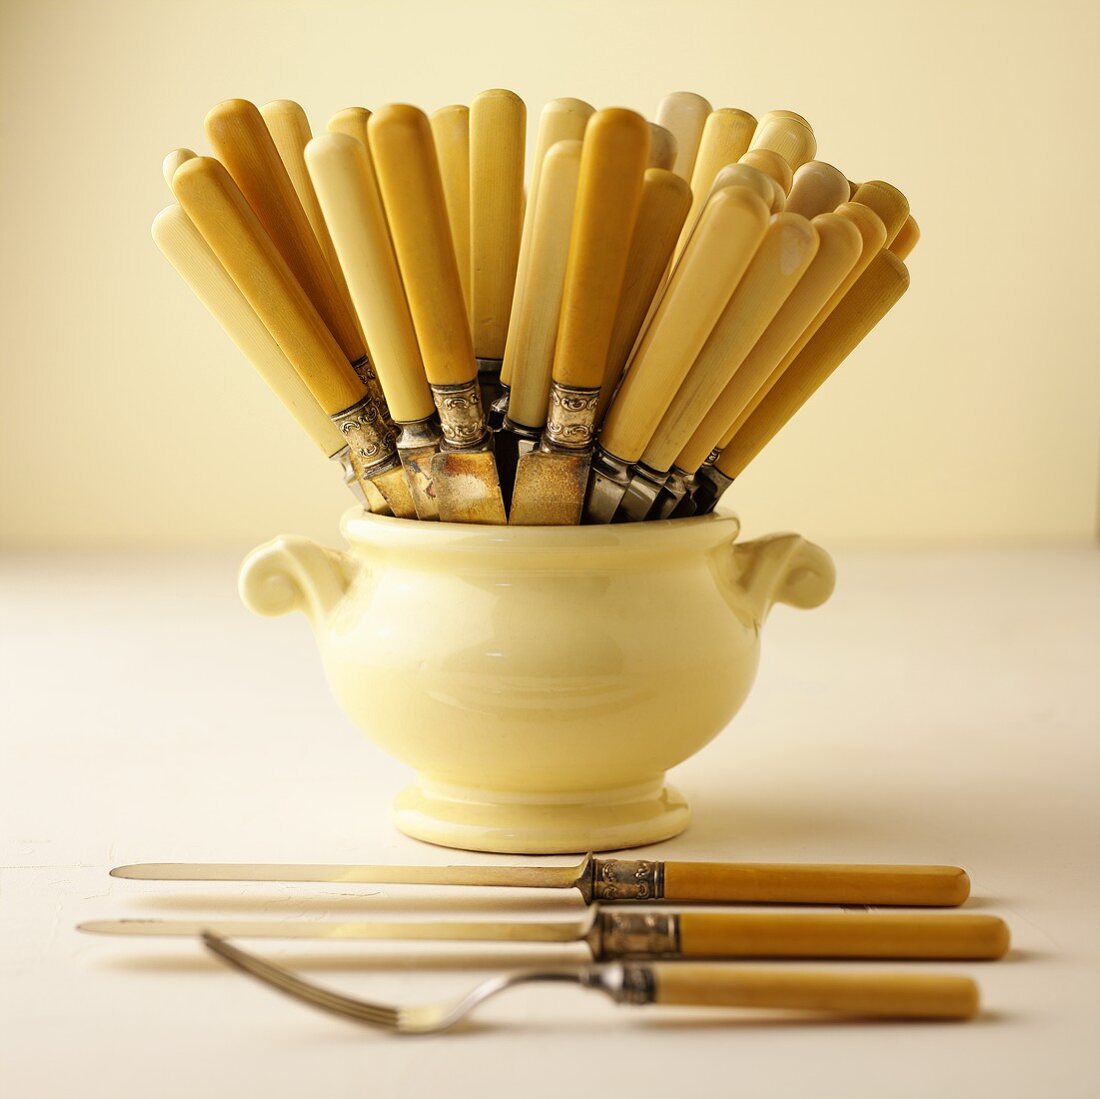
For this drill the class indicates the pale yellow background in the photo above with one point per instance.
(129, 418)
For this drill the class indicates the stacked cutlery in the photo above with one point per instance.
(615, 345)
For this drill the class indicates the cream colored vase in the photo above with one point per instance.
(540, 680)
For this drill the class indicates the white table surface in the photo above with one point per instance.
(944, 707)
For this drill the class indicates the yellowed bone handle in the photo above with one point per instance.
(886, 201)
(666, 197)
(408, 176)
(787, 134)
(907, 238)
(529, 353)
(498, 123)
(173, 160)
(684, 114)
(609, 192)
(341, 173)
(771, 164)
(924, 935)
(815, 883)
(886, 995)
(451, 133)
(817, 188)
(241, 141)
(872, 296)
(220, 212)
(662, 147)
(186, 249)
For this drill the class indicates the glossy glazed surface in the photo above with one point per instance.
(539, 680)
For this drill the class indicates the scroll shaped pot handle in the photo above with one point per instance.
(290, 573)
(783, 568)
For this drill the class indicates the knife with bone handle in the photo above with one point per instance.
(782, 258)
(533, 331)
(731, 227)
(498, 120)
(210, 198)
(874, 294)
(817, 188)
(290, 130)
(464, 474)
(772, 165)
(725, 140)
(173, 160)
(787, 134)
(341, 173)
(550, 481)
(614, 933)
(839, 247)
(666, 198)
(684, 114)
(662, 148)
(241, 141)
(451, 135)
(886, 201)
(187, 251)
(622, 880)
(559, 120)
(907, 238)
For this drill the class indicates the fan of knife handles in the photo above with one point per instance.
(616, 345)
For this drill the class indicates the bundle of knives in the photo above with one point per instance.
(615, 931)
(615, 344)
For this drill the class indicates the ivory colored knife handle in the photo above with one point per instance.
(173, 160)
(351, 121)
(857, 934)
(722, 245)
(725, 140)
(787, 134)
(289, 129)
(220, 212)
(815, 883)
(613, 159)
(666, 198)
(745, 175)
(662, 148)
(340, 170)
(186, 249)
(886, 201)
(839, 246)
(874, 294)
(498, 120)
(408, 176)
(241, 141)
(771, 164)
(684, 114)
(907, 238)
(886, 995)
(451, 134)
(529, 353)
(559, 120)
(817, 188)
(782, 258)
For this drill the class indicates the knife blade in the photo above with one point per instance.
(644, 880)
(617, 934)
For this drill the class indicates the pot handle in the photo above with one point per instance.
(783, 568)
(291, 573)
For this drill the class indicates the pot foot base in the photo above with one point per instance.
(604, 820)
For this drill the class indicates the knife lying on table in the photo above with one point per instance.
(642, 880)
(617, 934)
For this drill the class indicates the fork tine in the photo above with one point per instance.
(286, 982)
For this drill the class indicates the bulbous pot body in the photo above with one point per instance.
(540, 680)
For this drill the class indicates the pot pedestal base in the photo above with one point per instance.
(541, 824)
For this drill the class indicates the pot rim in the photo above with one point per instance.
(720, 527)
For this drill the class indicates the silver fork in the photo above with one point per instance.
(884, 995)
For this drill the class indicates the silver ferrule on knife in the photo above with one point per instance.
(368, 376)
(498, 409)
(461, 416)
(488, 377)
(570, 418)
(343, 459)
(710, 484)
(370, 445)
(610, 477)
(672, 495)
(641, 494)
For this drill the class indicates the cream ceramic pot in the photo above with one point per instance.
(540, 680)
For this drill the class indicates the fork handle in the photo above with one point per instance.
(896, 995)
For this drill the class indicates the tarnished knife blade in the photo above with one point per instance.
(467, 487)
(532, 877)
(549, 489)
